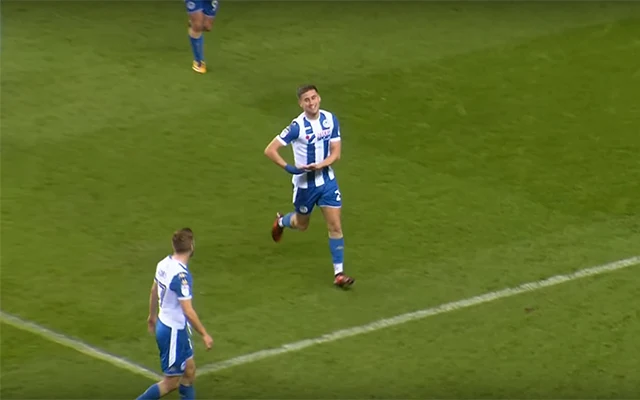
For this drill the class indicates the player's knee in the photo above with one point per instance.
(207, 26)
(171, 383)
(300, 222)
(196, 24)
(335, 230)
(189, 374)
(195, 29)
(333, 225)
(189, 377)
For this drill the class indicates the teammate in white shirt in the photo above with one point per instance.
(315, 138)
(171, 323)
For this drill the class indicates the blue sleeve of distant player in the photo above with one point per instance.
(182, 284)
(289, 134)
(335, 133)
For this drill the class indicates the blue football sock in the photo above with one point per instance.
(187, 392)
(153, 393)
(200, 43)
(286, 220)
(195, 48)
(337, 253)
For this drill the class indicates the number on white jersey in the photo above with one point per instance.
(162, 289)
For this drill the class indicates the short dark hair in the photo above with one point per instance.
(182, 240)
(304, 89)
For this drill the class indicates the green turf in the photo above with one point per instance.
(485, 145)
(566, 342)
(34, 368)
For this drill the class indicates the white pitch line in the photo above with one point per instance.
(77, 345)
(416, 315)
(330, 337)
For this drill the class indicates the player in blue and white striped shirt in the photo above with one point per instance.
(171, 315)
(315, 138)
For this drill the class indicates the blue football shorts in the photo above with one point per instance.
(208, 7)
(327, 195)
(175, 348)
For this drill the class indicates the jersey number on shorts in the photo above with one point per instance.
(338, 195)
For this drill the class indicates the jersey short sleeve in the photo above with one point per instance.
(335, 132)
(181, 284)
(289, 134)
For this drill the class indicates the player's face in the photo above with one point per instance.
(310, 102)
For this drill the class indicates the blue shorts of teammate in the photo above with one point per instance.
(208, 7)
(327, 195)
(175, 348)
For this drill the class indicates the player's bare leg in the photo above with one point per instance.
(196, 29)
(207, 26)
(188, 378)
(167, 385)
(292, 220)
(336, 245)
(208, 23)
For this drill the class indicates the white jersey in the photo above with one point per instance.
(174, 284)
(310, 140)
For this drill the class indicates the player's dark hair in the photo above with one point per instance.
(304, 89)
(182, 240)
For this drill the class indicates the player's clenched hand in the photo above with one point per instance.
(311, 167)
(151, 324)
(208, 341)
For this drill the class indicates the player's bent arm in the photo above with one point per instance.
(192, 316)
(153, 300)
(272, 151)
(334, 154)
